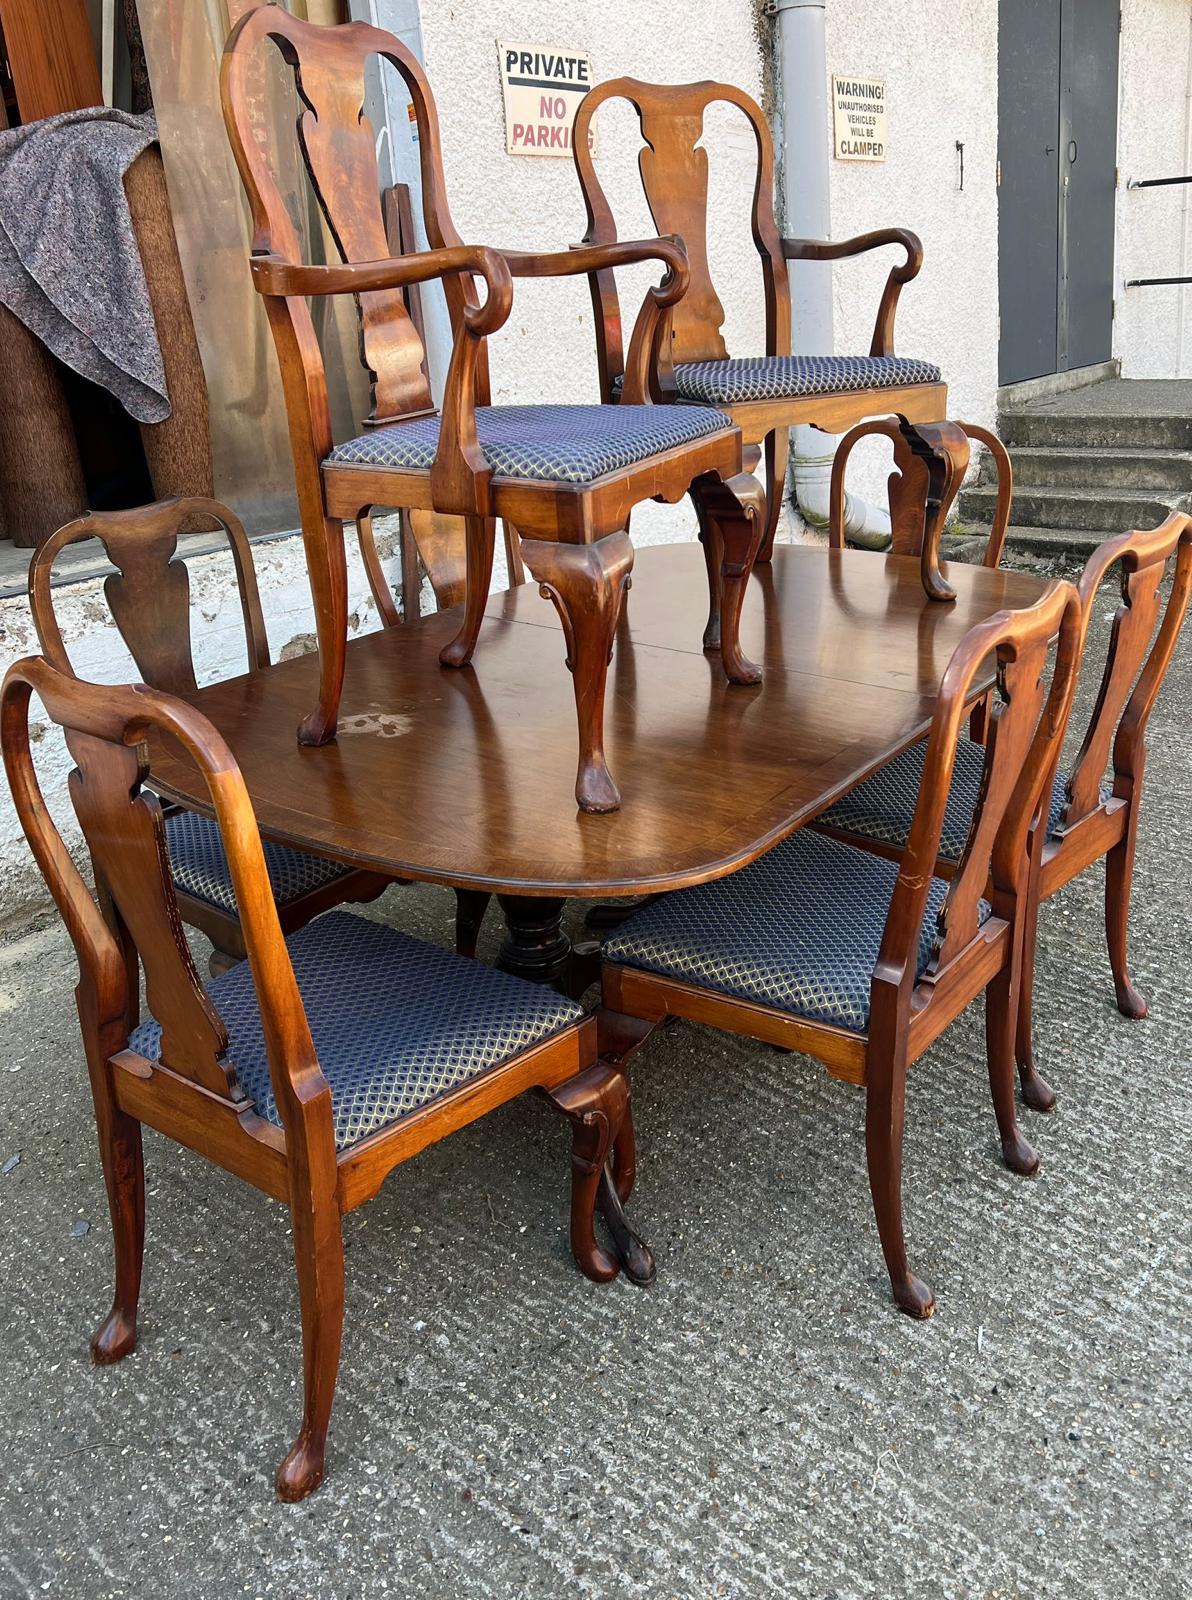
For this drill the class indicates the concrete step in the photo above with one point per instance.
(1095, 430)
(1074, 544)
(1163, 471)
(1073, 508)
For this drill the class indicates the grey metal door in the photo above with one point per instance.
(1057, 152)
(1088, 179)
(1028, 122)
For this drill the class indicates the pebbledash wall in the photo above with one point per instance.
(939, 59)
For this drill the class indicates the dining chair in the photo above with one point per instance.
(148, 597)
(861, 962)
(766, 394)
(310, 1070)
(565, 477)
(1086, 819)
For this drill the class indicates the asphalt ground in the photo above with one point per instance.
(762, 1422)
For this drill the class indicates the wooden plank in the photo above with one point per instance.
(51, 54)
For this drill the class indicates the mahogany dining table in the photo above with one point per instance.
(464, 777)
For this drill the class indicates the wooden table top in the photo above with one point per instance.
(465, 777)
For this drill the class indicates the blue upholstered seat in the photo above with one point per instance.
(789, 377)
(199, 865)
(546, 444)
(396, 1022)
(883, 806)
(799, 930)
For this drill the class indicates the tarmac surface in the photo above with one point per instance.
(761, 1422)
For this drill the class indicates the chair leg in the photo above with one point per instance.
(319, 1255)
(588, 584)
(1119, 880)
(778, 446)
(616, 1185)
(713, 548)
(480, 534)
(326, 564)
(1036, 1091)
(124, 1176)
(1001, 1015)
(596, 1103)
(470, 906)
(736, 511)
(885, 1107)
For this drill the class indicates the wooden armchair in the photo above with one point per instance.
(1085, 820)
(567, 477)
(149, 598)
(795, 949)
(312, 1069)
(769, 393)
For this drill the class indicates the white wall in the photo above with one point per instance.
(939, 60)
(1153, 326)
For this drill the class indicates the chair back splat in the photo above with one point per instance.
(339, 148)
(674, 174)
(1133, 674)
(1026, 724)
(105, 728)
(149, 593)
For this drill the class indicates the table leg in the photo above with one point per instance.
(535, 945)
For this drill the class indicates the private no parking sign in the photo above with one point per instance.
(542, 86)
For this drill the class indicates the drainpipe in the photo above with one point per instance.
(807, 143)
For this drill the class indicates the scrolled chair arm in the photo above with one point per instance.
(273, 275)
(882, 343)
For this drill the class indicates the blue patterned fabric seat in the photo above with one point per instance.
(396, 1022)
(546, 444)
(799, 930)
(790, 377)
(199, 865)
(883, 806)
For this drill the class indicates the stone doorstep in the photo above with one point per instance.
(1075, 508)
(1160, 471)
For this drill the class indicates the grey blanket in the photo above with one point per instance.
(70, 268)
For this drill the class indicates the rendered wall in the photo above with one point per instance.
(1153, 326)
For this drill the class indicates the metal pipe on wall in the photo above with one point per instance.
(807, 214)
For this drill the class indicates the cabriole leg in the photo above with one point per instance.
(319, 1256)
(1119, 878)
(596, 1103)
(778, 446)
(1000, 1018)
(942, 449)
(587, 584)
(1036, 1091)
(480, 536)
(124, 1176)
(732, 516)
(885, 1109)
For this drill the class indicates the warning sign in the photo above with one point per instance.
(859, 118)
(542, 88)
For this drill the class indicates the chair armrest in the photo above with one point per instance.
(274, 276)
(882, 343)
(588, 258)
(597, 261)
